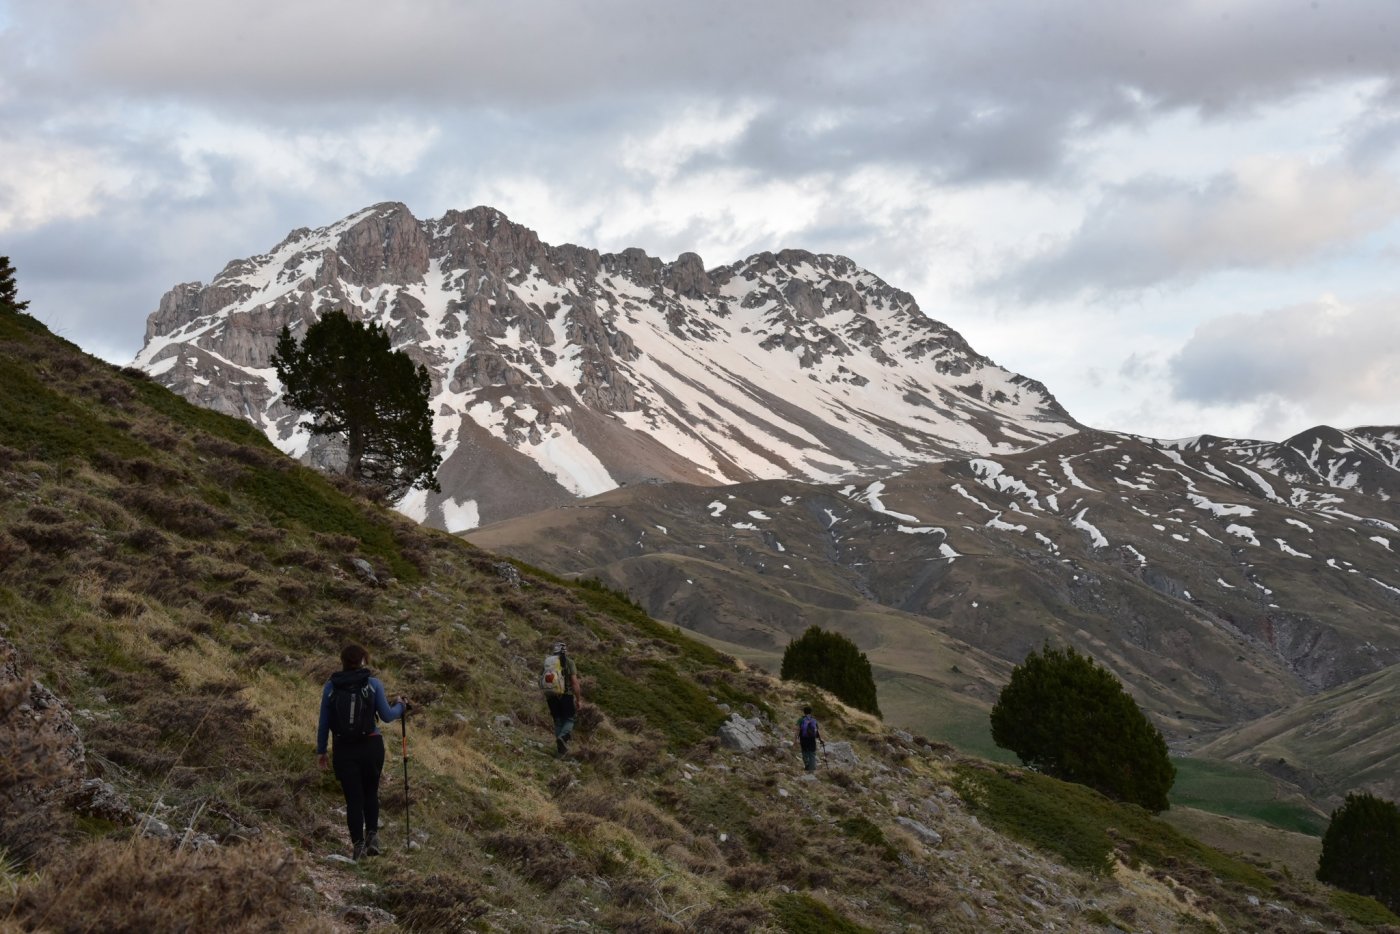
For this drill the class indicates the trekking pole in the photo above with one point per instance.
(403, 731)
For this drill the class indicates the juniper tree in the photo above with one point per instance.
(1361, 849)
(9, 296)
(830, 660)
(347, 376)
(1068, 717)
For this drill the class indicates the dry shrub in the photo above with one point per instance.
(110, 392)
(453, 676)
(281, 796)
(212, 723)
(167, 725)
(165, 584)
(225, 450)
(35, 765)
(735, 919)
(226, 607)
(121, 605)
(158, 437)
(637, 815)
(349, 592)
(334, 541)
(45, 515)
(292, 592)
(129, 745)
(147, 540)
(62, 538)
(699, 855)
(840, 777)
(265, 534)
(169, 638)
(145, 885)
(416, 552)
(922, 898)
(431, 903)
(773, 835)
(749, 878)
(141, 470)
(11, 550)
(626, 923)
(304, 558)
(183, 515)
(541, 858)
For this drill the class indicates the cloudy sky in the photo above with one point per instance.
(1182, 217)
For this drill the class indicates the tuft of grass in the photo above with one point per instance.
(1362, 909)
(89, 888)
(802, 914)
(303, 498)
(432, 902)
(55, 426)
(1063, 820)
(1087, 829)
(177, 409)
(868, 832)
(669, 703)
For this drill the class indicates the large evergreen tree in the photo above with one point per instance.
(9, 295)
(1361, 849)
(347, 376)
(1068, 717)
(830, 660)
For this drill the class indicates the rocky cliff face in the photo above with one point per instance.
(560, 372)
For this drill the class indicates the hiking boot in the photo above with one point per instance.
(560, 746)
(358, 853)
(372, 845)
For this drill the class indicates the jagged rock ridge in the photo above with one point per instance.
(560, 372)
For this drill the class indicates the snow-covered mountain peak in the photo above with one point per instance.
(561, 372)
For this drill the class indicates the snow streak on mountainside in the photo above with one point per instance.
(559, 372)
(1221, 580)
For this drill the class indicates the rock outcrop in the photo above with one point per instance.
(41, 757)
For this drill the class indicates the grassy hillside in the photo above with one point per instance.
(183, 590)
(1347, 739)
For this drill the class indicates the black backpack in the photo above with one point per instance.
(352, 705)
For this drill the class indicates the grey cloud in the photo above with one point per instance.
(971, 90)
(1137, 366)
(1327, 357)
(1152, 231)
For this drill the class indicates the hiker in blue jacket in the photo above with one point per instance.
(809, 733)
(350, 702)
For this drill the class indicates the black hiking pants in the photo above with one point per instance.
(358, 765)
(563, 710)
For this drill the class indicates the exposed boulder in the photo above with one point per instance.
(922, 831)
(743, 735)
(839, 755)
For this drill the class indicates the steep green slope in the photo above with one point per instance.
(1343, 739)
(183, 590)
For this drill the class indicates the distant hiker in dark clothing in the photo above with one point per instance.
(809, 733)
(350, 702)
(559, 682)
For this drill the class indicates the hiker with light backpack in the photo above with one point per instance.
(809, 733)
(350, 703)
(559, 682)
